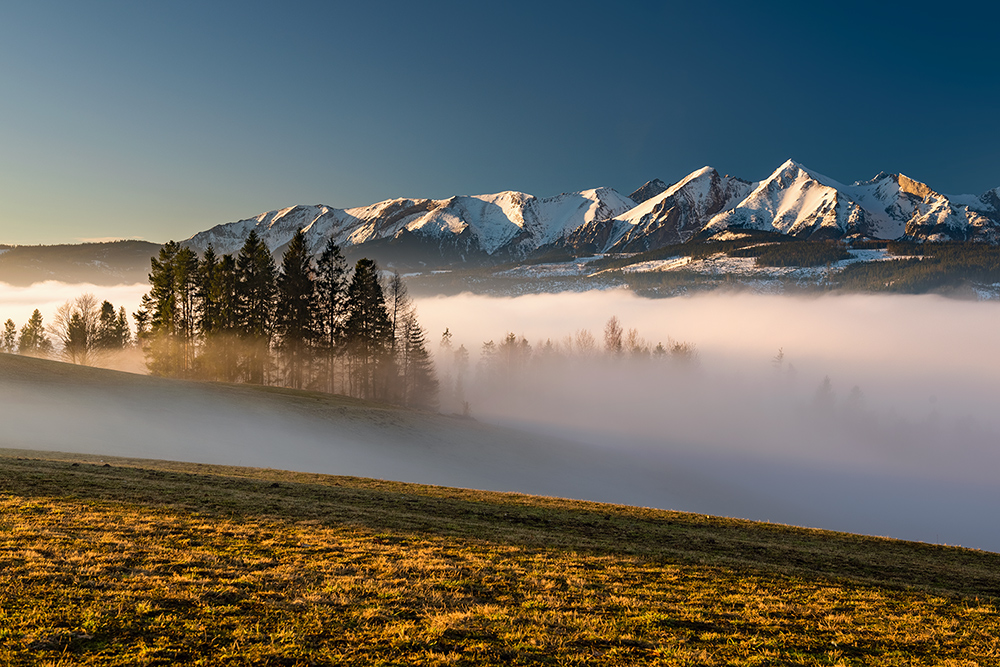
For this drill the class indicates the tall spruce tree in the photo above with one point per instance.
(186, 286)
(331, 296)
(8, 343)
(77, 342)
(207, 298)
(367, 331)
(419, 385)
(208, 316)
(295, 316)
(255, 292)
(32, 340)
(398, 305)
(226, 329)
(161, 310)
(122, 330)
(112, 329)
(104, 335)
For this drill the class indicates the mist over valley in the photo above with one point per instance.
(858, 413)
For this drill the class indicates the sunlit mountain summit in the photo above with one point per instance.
(510, 226)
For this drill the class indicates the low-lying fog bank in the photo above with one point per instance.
(869, 414)
(18, 302)
(876, 417)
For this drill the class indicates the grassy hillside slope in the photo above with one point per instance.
(124, 561)
(109, 561)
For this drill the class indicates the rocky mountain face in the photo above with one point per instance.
(506, 225)
(797, 201)
(673, 216)
(648, 190)
(509, 226)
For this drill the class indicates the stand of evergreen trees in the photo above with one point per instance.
(311, 324)
(31, 341)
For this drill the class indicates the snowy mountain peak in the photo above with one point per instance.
(881, 176)
(991, 200)
(793, 199)
(648, 190)
(672, 216)
(913, 187)
(787, 165)
(505, 223)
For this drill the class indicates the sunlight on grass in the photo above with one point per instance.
(97, 568)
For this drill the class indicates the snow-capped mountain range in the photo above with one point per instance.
(511, 225)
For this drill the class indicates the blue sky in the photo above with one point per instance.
(158, 120)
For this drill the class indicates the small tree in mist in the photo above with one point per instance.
(461, 366)
(512, 355)
(584, 343)
(75, 325)
(141, 318)
(419, 386)
(855, 402)
(398, 305)
(8, 343)
(825, 398)
(32, 340)
(613, 344)
(76, 344)
(487, 360)
(112, 333)
(636, 346)
(683, 352)
(445, 357)
(402, 318)
(549, 353)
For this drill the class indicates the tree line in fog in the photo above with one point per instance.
(83, 329)
(308, 324)
(507, 363)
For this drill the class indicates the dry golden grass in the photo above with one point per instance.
(147, 562)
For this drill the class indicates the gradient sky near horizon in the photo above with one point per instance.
(158, 120)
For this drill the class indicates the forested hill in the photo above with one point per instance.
(111, 263)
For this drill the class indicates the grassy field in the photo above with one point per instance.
(126, 561)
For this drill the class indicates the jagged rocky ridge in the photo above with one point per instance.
(512, 225)
(499, 226)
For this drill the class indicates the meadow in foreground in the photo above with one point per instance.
(118, 561)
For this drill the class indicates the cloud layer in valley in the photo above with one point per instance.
(17, 303)
(877, 417)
